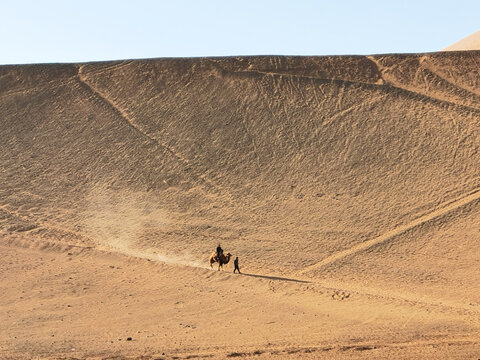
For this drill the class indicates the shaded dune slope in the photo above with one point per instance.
(275, 157)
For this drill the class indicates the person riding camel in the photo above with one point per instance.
(219, 251)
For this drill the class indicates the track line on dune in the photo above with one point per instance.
(381, 69)
(60, 247)
(442, 77)
(405, 91)
(339, 114)
(83, 82)
(121, 113)
(109, 68)
(447, 207)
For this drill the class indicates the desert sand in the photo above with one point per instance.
(471, 42)
(348, 186)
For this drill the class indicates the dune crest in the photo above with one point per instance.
(471, 42)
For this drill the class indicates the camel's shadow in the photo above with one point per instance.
(276, 278)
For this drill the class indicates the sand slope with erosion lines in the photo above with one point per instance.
(347, 185)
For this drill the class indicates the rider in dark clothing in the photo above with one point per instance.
(219, 251)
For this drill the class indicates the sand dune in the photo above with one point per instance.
(471, 42)
(348, 187)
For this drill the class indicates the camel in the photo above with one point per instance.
(222, 260)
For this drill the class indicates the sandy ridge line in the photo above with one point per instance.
(443, 209)
(434, 70)
(85, 250)
(65, 81)
(82, 250)
(381, 70)
(45, 245)
(372, 85)
(99, 69)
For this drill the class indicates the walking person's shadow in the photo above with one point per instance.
(275, 278)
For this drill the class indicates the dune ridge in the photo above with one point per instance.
(470, 42)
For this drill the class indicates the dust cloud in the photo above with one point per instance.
(118, 222)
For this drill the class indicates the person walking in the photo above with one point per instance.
(235, 262)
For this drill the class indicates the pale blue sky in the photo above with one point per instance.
(45, 31)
